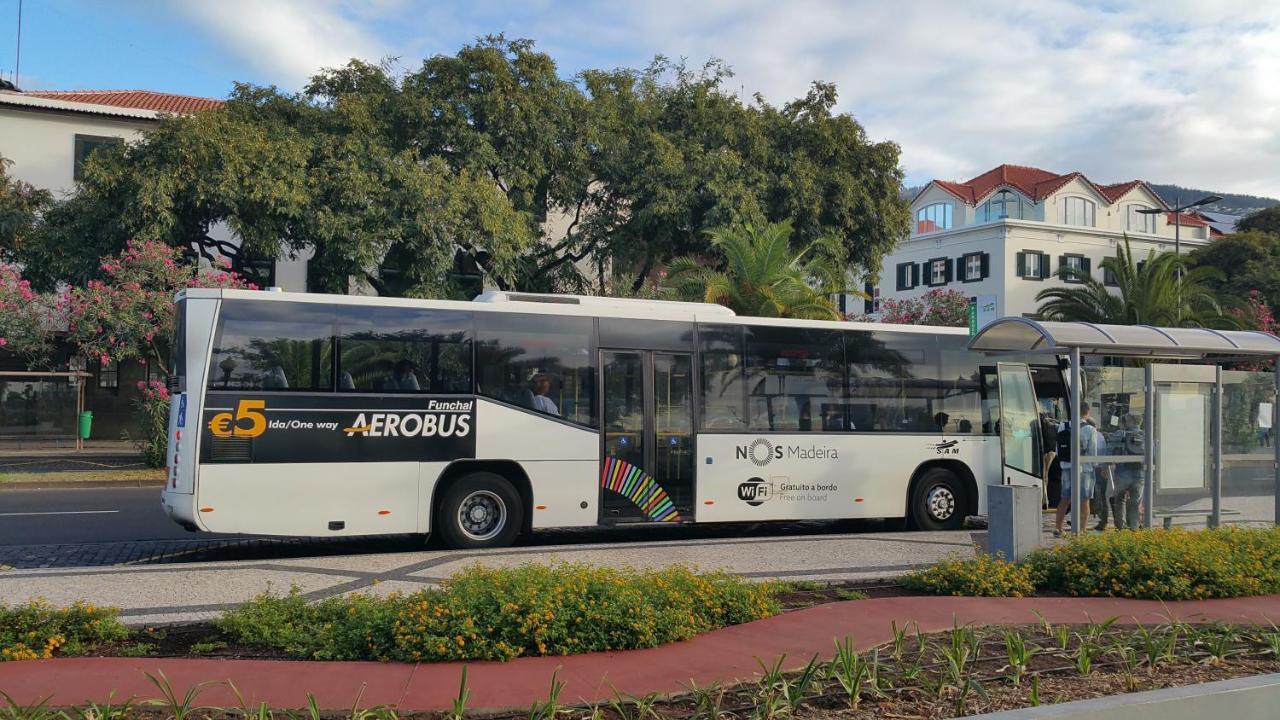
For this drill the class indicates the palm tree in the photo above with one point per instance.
(759, 274)
(1163, 291)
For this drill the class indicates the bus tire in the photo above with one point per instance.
(479, 510)
(938, 500)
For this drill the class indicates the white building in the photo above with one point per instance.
(1006, 232)
(47, 135)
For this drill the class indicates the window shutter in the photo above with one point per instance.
(903, 270)
(1045, 272)
(915, 275)
(867, 305)
(949, 273)
(962, 271)
(1022, 264)
(1062, 262)
(1086, 265)
(986, 266)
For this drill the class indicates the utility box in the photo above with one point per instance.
(1013, 520)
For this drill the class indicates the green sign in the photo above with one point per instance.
(973, 316)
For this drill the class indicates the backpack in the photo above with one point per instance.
(1064, 443)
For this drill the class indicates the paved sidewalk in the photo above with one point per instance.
(184, 591)
(722, 656)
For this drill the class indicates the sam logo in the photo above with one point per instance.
(759, 451)
(755, 491)
(951, 447)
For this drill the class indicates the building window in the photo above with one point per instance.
(1033, 265)
(1109, 278)
(109, 375)
(1139, 222)
(973, 266)
(1073, 262)
(939, 271)
(1005, 204)
(933, 217)
(908, 275)
(1077, 211)
(85, 145)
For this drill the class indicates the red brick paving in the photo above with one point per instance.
(721, 656)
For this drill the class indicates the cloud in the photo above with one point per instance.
(289, 40)
(1179, 91)
(1171, 92)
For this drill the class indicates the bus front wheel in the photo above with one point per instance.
(938, 500)
(480, 510)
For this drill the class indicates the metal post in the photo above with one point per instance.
(1149, 450)
(1215, 479)
(1077, 397)
(1275, 418)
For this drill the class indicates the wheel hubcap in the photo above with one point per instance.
(941, 503)
(482, 515)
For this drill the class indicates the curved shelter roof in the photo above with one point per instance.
(1017, 334)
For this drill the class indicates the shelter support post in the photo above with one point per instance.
(1077, 397)
(1149, 447)
(1275, 418)
(1215, 478)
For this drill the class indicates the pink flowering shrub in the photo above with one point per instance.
(24, 316)
(1256, 315)
(948, 308)
(128, 316)
(152, 404)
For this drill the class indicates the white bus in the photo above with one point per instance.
(315, 415)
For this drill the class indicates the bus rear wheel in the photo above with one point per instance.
(938, 501)
(479, 510)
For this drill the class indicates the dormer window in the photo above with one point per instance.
(1005, 204)
(1139, 222)
(932, 218)
(1077, 211)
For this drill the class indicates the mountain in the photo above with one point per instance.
(1231, 203)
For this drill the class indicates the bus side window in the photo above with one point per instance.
(404, 350)
(542, 363)
(272, 346)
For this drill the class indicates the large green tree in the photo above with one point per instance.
(487, 158)
(1159, 290)
(1266, 220)
(20, 207)
(1245, 261)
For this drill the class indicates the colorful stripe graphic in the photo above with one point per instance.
(637, 486)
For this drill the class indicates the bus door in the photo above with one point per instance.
(1021, 456)
(646, 468)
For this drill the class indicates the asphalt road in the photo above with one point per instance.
(84, 515)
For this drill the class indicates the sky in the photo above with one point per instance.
(1169, 91)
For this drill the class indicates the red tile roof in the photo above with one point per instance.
(136, 99)
(1034, 183)
(1187, 219)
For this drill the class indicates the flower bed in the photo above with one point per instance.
(499, 614)
(1172, 564)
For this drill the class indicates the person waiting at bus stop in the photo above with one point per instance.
(1088, 446)
(1126, 495)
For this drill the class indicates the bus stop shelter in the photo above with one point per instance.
(1182, 451)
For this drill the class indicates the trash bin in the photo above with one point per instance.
(86, 424)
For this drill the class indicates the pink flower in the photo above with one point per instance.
(3, 342)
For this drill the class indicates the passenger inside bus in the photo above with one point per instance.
(542, 401)
(402, 378)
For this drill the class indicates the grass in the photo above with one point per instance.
(144, 475)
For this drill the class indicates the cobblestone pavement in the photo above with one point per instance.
(187, 580)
